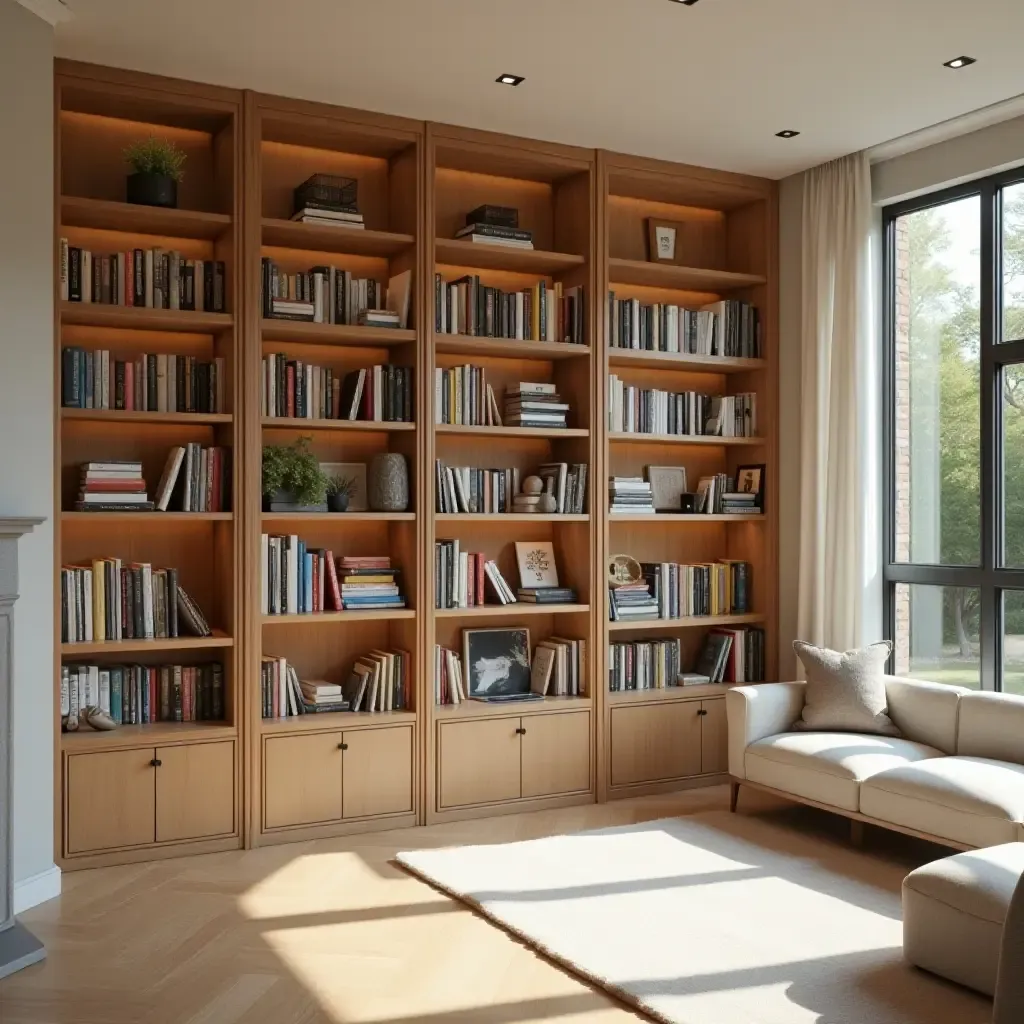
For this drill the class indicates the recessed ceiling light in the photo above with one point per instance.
(959, 62)
(510, 79)
(787, 134)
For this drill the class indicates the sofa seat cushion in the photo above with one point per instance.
(954, 910)
(970, 800)
(828, 766)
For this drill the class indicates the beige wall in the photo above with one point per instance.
(26, 420)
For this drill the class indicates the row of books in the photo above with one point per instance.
(294, 389)
(328, 295)
(670, 590)
(726, 328)
(462, 395)
(644, 664)
(138, 694)
(108, 600)
(732, 656)
(633, 410)
(298, 580)
(195, 479)
(471, 489)
(540, 313)
(152, 278)
(163, 382)
(461, 578)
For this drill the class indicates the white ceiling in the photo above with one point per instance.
(708, 84)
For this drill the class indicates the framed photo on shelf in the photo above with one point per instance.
(354, 471)
(750, 480)
(661, 238)
(536, 560)
(497, 662)
(668, 485)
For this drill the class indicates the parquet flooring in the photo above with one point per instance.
(328, 932)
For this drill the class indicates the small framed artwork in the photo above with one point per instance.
(354, 471)
(536, 559)
(662, 237)
(497, 662)
(668, 485)
(751, 480)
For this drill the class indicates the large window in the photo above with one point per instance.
(954, 437)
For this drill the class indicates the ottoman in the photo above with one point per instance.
(954, 910)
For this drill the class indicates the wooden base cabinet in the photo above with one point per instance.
(330, 777)
(497, 760)
(667, 741)
(147, 796)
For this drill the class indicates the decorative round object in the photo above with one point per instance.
(533, 485)
(623, 570)
(547, 503)
(389, 483)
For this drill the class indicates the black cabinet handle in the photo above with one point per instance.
(156, 762)
(343, 746)
(702, 711)
(521, 731)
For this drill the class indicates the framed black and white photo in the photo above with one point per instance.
(662, 241)
(750, 480)
(668, 485)
(497, 662)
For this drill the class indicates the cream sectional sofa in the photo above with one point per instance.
(956, 775)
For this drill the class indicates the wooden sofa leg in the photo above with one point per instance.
(734, 795)
(856, 832)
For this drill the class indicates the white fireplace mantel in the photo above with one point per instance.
(18, 946)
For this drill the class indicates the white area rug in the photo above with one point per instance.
(711, 919)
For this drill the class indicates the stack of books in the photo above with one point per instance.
(330, 216)
(713, 588)
(112, 487)
(137, 694)
(369, 582)
(633, 410)
(547, 595)
(495, 225)
(559, 668)
(379, 681)
(449, 684)
(379, 318)
(630, 495)
(733, 656)
(284, 695)
(743, 503)
(461, 578)
(644, 664)
(632, 602)
(198, 479)
(529, 404)
(463, 396)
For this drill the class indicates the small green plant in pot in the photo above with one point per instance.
(339, 492)
(292, 479)
(157, 166)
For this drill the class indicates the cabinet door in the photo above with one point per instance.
(377, 775)
(556, 754)
(111, 800)
(714, 737)
(195, 791)
(302, 780)
(479, 762)
(654, 742)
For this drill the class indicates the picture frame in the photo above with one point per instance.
(537, 565)
(668, 485)
(662, 240)
(496, 662)
(751, 479)
(358, 500)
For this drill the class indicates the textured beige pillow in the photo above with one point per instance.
(845, 691)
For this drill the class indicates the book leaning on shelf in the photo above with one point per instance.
(449, 681)
(111, 600)
(732, 656)
(634, 410)
(559, 668)
(195, 479)
(164, 382)
(294, 389)
(541, 313)
(462, 396)
(726, 328)
(463, 578)
(138, 694)
(151, 278)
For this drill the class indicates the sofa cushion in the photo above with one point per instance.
(970, 800)
(845, 690)
(828, 766)
(923, 711)
(991, 725)
(954, 910)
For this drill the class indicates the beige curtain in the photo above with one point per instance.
(836, 351)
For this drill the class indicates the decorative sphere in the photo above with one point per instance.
(533, 485)
(547, 503)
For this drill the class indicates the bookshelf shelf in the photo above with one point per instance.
(351, 335)
(668, 275)
(87, 739)
(141, 318)
(148, 518)
(680, 519)
(514, 709)
(295, 423)
(323, 238)
(338, 518)
(512, 432)
(669, 693)
(138, 418)
(82, 212)
(499, 518)
(692, 622)
(311, 618)
(481, 256)
(331, 721)
(508, 348)
(682, 362)
(687, 439)
(507, 611)
(169, 644)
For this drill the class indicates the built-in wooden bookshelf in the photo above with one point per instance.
(269, 781)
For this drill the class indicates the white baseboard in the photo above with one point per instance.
(36, 889)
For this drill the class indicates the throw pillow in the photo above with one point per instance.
(845, 690)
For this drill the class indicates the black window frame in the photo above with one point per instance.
(989, 578)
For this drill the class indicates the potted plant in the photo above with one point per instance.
(292, 479)
(339, 490)
(158, 167)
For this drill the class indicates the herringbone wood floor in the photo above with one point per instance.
(329, 931)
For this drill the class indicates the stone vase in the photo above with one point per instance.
(389, 483)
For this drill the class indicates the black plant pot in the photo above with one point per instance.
(337, 502)
(284, 501)
(152, 190)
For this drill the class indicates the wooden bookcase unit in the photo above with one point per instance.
(166, 789)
